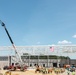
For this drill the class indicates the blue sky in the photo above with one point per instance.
(38, 22)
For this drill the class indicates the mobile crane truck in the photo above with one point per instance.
(20, 64)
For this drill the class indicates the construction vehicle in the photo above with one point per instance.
(19, 63)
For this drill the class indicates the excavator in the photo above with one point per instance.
(19, 64)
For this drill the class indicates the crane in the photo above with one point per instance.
(16, 52)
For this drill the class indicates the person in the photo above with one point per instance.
(68, 72)
(37, 69)
(73, 73)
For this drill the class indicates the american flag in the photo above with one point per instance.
(52, 49)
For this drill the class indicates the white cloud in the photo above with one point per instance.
(64, 42)
(74, 36)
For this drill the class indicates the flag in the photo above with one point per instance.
(51, 49)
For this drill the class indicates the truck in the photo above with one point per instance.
(20, 64)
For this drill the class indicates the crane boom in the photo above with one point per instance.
(20, 60)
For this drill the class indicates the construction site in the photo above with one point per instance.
(40, 59)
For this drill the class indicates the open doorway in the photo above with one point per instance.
(54, 64)
(43, 65)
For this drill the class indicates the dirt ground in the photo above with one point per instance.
(30, 72)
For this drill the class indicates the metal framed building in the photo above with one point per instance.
(42, 54)
(45, 60)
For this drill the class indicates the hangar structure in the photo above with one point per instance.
(44, 55)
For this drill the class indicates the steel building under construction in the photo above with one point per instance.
(44, 55)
